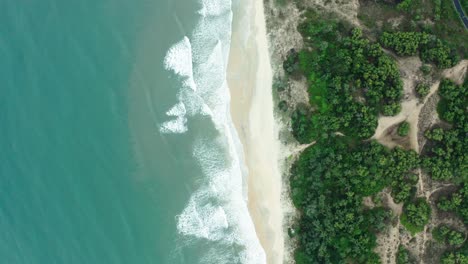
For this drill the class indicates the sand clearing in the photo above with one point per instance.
(420, 114)
(411, 106)
(250, 82)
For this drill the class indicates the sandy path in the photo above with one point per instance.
(250, 82)
(411, 112)
(411, 105)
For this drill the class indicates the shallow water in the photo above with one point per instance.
(88, 173)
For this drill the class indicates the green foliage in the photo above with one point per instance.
(416, 215)
(455, 99)
(432, 17)
(446, 156)
(436, 134)
(403, 186)
(404, 43)
(350, 80)
(449, 27)
(405, 5)
(280, 84)
(437, 9)
(426, 69)
(291, 64)
(422, 89)
(403, 256)
(303, 127)
(448, 235)
(283, 105)
(391, 109)
(328, 183)
(458, 256)
(403, 129)
(439, 53)
(431, 49)
(456, 202)
(318, 93)
(455, 257)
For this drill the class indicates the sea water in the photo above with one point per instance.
(117, 144)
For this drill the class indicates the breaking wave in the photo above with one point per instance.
(217, 212)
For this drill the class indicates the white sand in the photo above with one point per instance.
(250, 82)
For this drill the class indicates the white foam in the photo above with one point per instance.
(214, 7)
(179, 60)
(202, 219)
(177, 110)
(217, 211)
(174, 126)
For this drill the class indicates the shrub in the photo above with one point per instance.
(291, 64)
(422, 90)
(403, 256)
(448, 235)
(403, 129)
(425, 69)
(416, 215)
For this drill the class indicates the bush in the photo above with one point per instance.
(446, 157)
(403, 129)
(439, 53)
(416, 215)
(280, 84)
(405, 5)
(283, 106)
(430, 48)
(328, 183)
(302, 125)
(404, 43)
(391, 109)
(403, 256)
(422, 89)
(425, 69)
(454, 258)
(448, 235)
(291, 64)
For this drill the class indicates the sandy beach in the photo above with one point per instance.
(250, 81)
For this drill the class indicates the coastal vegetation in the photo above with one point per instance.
(436, 18)
(416, 215)
(422, 89)
(329, 182)
(353, 80)
(403, 256)
(446, 234)
(429, 47)
(403, 129)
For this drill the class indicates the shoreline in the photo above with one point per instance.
(249, 77)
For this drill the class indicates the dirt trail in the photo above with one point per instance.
(282, 22)
(411, 105)
(457, 73)
(421, 115)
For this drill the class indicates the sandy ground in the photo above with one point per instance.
(421, 115)
(250, 81)
(411, 105)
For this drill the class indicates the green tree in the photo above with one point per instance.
(449, 235)
(416, 215)
(403, 256)
(422, 89)
(403, 129)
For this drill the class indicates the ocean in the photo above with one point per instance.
(117, 144)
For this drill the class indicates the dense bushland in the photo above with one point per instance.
(351, 82)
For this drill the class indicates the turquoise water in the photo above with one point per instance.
(88, 174)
